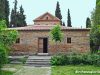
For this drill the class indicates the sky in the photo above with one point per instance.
(79, 9)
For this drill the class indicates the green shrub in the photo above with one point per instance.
(76, 59)
(3, 56)
(96, 59)
(60, 59)
(86, 59)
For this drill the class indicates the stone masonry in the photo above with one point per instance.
(29, 37)
(29, 42)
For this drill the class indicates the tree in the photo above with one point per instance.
(63, 24)
(7, 12)
(56, 34)
(17, 17)
(22, 17)
(58, 12)
(96, 14)
(95, 38)
(14, 15)
(7, 38)
(69, 19)
(88, 23)
(97, 1)
(94, 35)
(4, 11)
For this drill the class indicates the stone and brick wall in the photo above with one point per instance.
(29, 42)
(47, 23)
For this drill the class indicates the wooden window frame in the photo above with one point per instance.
(18, 40)
(68, 39)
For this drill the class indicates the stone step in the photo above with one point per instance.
(43, 54)
(37, 65)
(38, 57)
(38, 60)
(15, 62)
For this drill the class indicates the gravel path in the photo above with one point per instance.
(26, 70)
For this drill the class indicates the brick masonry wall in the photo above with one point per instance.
(29, 42)
(47, 23)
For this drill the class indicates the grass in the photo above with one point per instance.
(6, 73)
(17, 67)
(71, 70)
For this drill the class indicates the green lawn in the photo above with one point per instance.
(6, 73)
(71, 70)
(17, 67)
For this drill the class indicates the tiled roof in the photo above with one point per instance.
(40, 18)
(45, 27)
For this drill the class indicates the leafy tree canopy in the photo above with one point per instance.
(7, 38)
(56, 33)
(95, 38)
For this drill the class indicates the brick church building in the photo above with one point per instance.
(35, 39)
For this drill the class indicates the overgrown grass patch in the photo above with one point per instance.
(17, 67)
(6, 73)
(73, 70)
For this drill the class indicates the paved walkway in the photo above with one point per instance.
(28, 70)
(9, 69)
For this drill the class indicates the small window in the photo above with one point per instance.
(46, 18)
(68, 40)
(18, 40)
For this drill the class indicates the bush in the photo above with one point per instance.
(23, 60)
(76, 59)
(60, 59)
(3, 56)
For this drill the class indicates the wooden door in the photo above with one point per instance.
(43, 45)
(40, 45)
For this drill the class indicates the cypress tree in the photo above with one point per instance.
(22, 16)
(15, 7)
(63, 24)
(4, 11)
(96, 14)
(88, 23)
(94, 31)
(58, 12)
(17, 17)
(69, 19)
(7, 12)
(14, 15)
